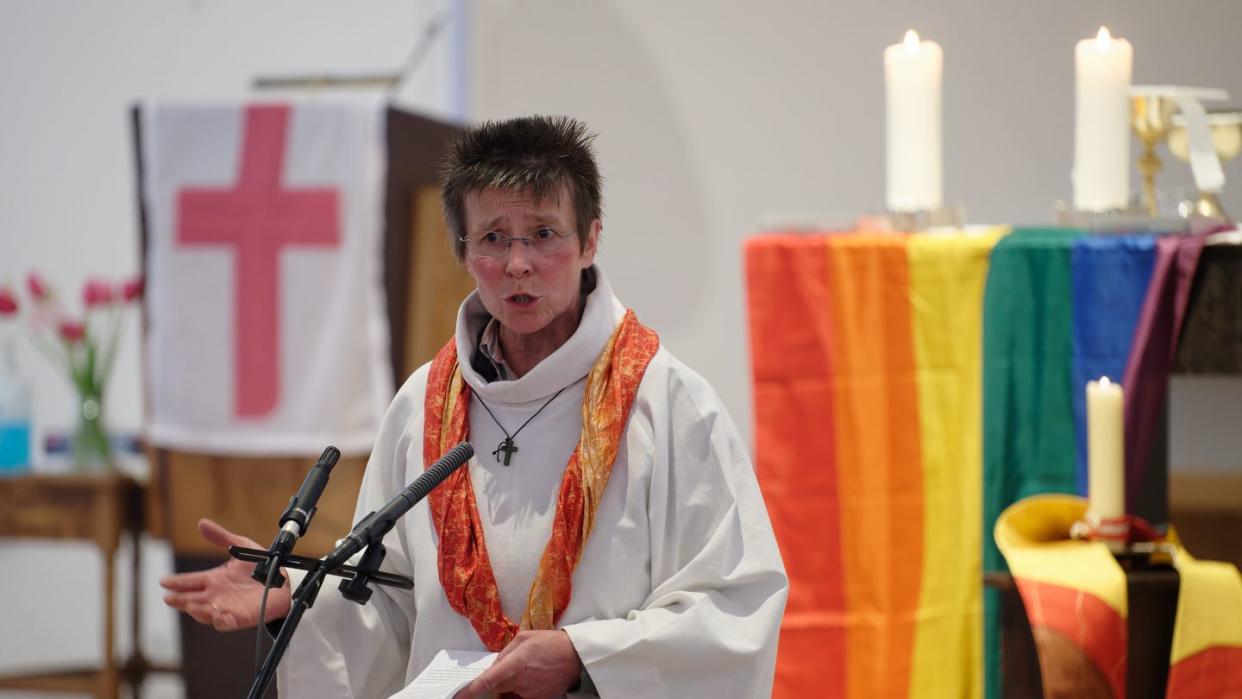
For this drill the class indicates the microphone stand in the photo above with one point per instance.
(366, 534)
(353, 587)
(302, 600)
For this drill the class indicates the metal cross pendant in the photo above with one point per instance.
(508, 447)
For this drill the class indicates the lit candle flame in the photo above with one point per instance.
(1103, 38)
(1104, 382)
(912, 41)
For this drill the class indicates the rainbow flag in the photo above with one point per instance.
(908, 388)
(866, 361)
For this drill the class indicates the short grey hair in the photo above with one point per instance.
(532, 154)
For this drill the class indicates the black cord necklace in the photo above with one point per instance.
(507, 445)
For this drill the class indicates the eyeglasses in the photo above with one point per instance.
(544, 241)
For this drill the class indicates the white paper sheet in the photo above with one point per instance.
(446, 674)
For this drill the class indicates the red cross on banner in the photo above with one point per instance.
(258, 218)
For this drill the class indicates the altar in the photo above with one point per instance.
(909, 387)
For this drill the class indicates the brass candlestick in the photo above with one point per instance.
(1151, 116)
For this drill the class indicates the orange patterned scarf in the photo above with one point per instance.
(465, 571)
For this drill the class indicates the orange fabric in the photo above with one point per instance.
(879, 455)
(465, 570)
(791, 341)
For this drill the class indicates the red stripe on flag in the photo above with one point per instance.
(791, 342)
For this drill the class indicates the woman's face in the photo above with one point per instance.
(534, 296)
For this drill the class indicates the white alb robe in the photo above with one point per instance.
(680, 589)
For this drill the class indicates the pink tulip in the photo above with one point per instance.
(96, 293)
(71, 330)
(131, 289)
(36, 285)
(8, 302)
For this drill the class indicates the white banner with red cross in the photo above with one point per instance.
(267, 332)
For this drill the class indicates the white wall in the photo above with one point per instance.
(712, 115)
(69, 71)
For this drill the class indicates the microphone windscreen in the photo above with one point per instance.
(440, 470)
(330, 456)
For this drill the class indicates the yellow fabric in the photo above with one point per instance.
(1209, 606)
(1034, 536)
(947, 276)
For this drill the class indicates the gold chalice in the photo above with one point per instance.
(1226, 128)
(1151, 117)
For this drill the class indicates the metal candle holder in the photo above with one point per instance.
(1153, 113)
(1151, 116)
(943, 217)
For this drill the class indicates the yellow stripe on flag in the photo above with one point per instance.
(947, 276)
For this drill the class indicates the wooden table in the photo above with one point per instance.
(100, 509)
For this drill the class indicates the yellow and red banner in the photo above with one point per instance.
(1075, 596)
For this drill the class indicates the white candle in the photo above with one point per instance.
(1102, 123)
(912, 86)
(1106, 449)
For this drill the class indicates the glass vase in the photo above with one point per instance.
(91, 449)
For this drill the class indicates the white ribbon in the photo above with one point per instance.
(1204, 161)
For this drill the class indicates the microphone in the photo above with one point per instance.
(296, 519)
(372, 528)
